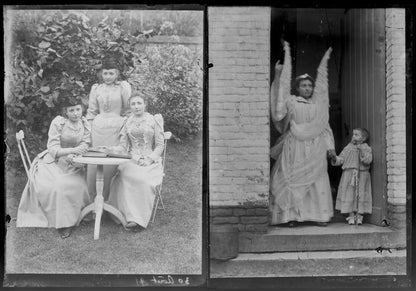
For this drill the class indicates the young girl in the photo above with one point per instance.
(56, 191)
(354, 191)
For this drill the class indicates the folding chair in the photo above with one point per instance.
(167, 135)
(22, 148)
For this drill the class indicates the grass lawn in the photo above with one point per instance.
(172, 245)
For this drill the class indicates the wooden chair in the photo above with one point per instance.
(23, 151)
(167, 135)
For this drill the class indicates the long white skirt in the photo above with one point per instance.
(53, 197)
(133, 191)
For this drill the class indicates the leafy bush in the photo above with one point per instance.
(172, 81)
(58, 54)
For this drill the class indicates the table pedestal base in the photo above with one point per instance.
(99, 205)
(98, 208)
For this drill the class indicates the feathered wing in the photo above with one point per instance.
(321, 95)
(280, 92)
(284, 84)
(280, 95)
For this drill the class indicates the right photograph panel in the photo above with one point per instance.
(307, 142)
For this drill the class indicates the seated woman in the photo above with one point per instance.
(56, 191)
(133, 188)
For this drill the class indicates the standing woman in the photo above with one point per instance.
(133, 188)
(107, 103)
(56, 191)
(299, 188)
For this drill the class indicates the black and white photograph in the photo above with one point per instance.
(103, 128)
(307, 143)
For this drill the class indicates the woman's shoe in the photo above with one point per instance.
(131, 225)
(322, 223)
(64, 232)
(292, 224)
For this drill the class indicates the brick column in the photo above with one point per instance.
(239, 146)
(395, 118)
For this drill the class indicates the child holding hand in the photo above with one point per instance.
(354, 190)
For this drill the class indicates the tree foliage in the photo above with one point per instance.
(58, 55)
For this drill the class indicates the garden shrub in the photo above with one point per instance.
(172, 81)
(59, 54)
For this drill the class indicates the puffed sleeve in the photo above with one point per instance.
(329, 138)
(93, 107)
(124, 144)
(54, 135)
(366, 156)
(125, 95)
(159, 138)
(86, 138)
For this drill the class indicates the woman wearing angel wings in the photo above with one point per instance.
(299, 188)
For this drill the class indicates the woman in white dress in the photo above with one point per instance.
(133, 188)
(57, 191)
(299, 188)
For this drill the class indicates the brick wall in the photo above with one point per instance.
(395, 117)
(239, 146)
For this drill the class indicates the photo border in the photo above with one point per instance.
(124, 280)
(365, 282)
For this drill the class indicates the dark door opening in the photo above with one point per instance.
(356, 53)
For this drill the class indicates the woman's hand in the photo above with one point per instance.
(77, 151)
(285, 44)
(145, 162)
(69, 158)
(278, 67)
(331, 154)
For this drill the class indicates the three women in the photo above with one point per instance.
(57, 191)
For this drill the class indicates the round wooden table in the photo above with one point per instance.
(99, 205)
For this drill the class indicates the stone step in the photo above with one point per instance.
(312, 264)
(336, 236)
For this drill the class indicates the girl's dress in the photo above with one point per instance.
(56, 191)
(133, 188)
(354, 190)
(106, 105)
(299, 188)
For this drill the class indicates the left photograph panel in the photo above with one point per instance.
(103, 127)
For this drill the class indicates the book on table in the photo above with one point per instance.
(101, 154)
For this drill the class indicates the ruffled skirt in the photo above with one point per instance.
(299, 186)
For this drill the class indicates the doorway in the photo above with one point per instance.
(356, 79)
